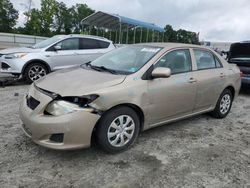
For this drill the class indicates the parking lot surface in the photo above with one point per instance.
(197, 152)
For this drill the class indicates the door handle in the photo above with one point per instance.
(222, 75)
(192, 80)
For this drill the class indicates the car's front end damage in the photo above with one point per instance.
(58, 122)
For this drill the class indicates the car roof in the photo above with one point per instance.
(85, 36)
(170, 45)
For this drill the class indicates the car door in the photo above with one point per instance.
(210, 78)
(90, 49)
(172, 97)
(66, 54)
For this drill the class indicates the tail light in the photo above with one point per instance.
(241, 74)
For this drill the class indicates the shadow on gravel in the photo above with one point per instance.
(10, 82)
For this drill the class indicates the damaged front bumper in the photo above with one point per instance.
(69, 131)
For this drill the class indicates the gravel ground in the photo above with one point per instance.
(197, 152)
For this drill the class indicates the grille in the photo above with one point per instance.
(32, 103)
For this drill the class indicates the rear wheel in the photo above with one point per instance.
(223, 105)
(118, 129)
(34, 72)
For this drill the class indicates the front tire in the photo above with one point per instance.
(223, 105)
(118, 129)
(35, 71)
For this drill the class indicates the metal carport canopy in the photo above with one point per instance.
(114, 21)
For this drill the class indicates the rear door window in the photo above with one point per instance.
(103, 44)
(205, 60)
(88, 44)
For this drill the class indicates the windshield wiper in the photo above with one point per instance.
(107, 69)
(101, 68)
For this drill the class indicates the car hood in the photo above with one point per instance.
(19, 50)
(78, 81)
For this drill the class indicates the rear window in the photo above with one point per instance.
(87, 43)
(239, 50)
(103, 44)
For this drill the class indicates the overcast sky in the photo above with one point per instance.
(216, 20)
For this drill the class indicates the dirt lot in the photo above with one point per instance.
(198, 152)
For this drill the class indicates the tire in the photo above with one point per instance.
(39, 70)
(223, 105)
(109, 124)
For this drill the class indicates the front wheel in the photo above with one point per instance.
(223, 105)
(118, 129)
(34, 72)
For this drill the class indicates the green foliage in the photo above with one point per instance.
(181, 36)
(34, 25)
(63, 19)
(79, 11)
(55, 18)
(47, 15)
(8, 16)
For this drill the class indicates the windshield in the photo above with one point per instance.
(127, 59)
(47, 42)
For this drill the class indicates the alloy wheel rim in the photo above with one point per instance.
(36, 72)
(225, 104)
(121, 131)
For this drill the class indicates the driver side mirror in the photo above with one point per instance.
(57, 47)
(161, 72)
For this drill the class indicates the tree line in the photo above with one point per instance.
(55, 17)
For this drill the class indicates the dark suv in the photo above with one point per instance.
(239, 54)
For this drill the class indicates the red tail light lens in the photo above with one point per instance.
(241, 74)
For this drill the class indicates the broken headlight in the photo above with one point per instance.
(66, 105)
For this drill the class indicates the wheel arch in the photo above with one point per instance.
(232, 89)
(36, 61)
(136, 108)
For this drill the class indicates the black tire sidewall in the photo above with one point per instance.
(26, 71)
(106, 120)
(217, 113)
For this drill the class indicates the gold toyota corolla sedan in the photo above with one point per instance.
(127, 91)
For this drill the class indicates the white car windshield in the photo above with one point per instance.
(127, 59)
(47, 42)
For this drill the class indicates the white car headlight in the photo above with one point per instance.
(15, 55)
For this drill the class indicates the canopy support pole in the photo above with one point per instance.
(127, 36)
(110, 35)
(153, 35)
(120, 38)
(134, 34)
(89, 30)
(163, 37)
(158, 36)
(141, 35)
(115, 36)
(147, 34)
